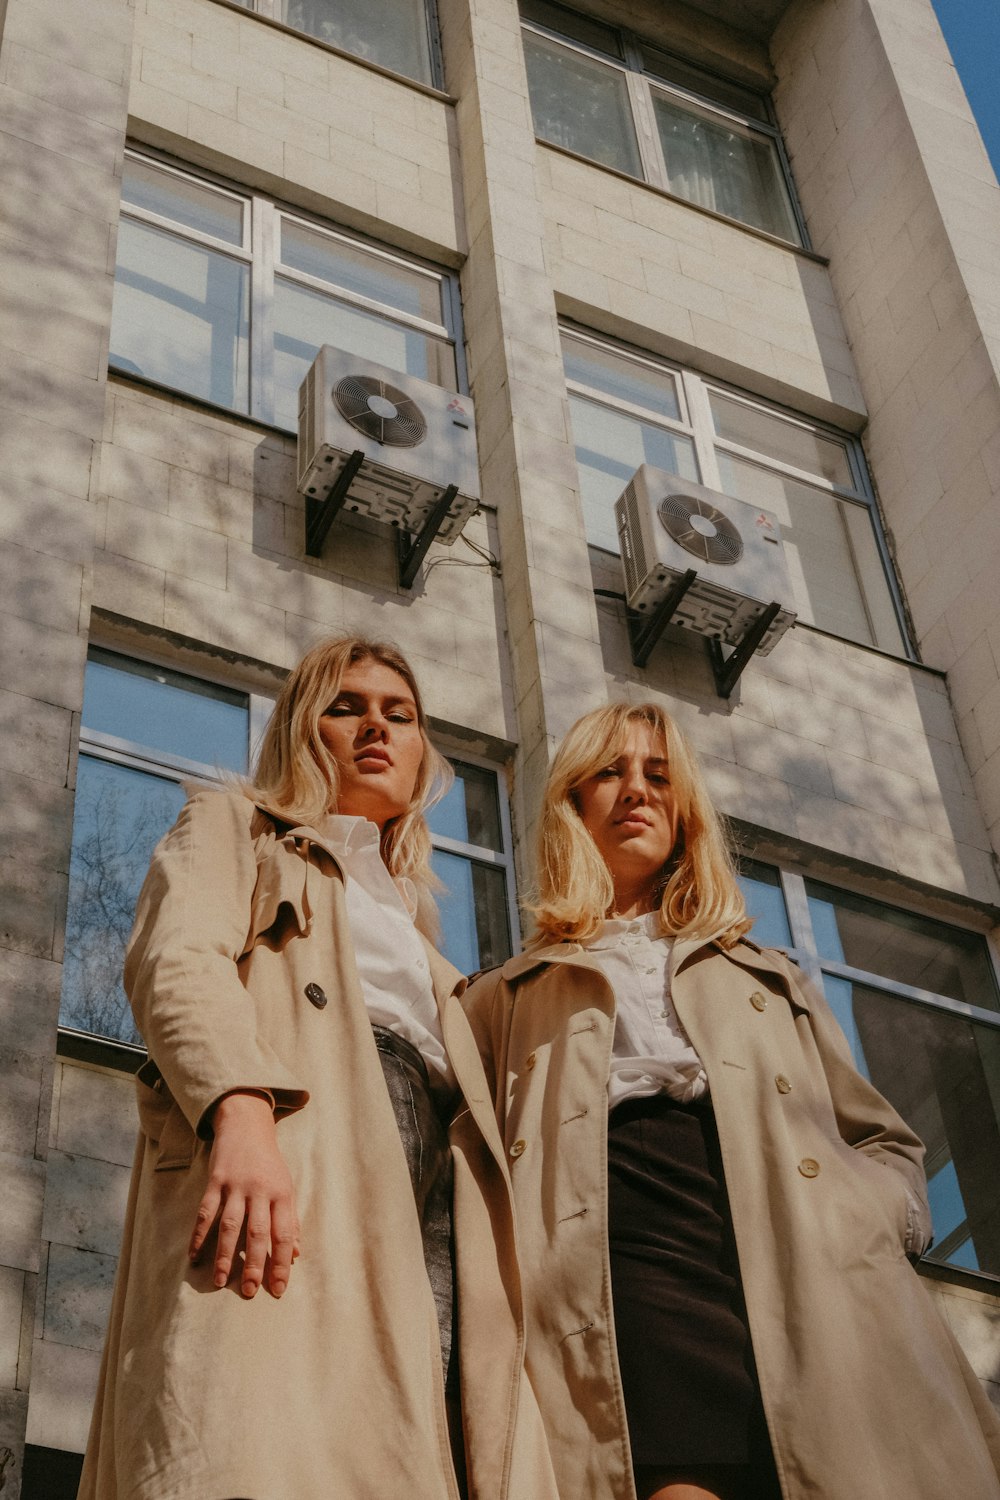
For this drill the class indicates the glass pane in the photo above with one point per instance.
(723, 166)
(475, 929)
(899, 945)
(166, 712)
(352, 268)
(817, 548)
(579, 103)
(610, 446)
(190, 203)
(392, 33)
(470, 812)
(580, 28)
(769, 434)
(181, 315)
(942, 1073)
(720, 90)
(761, 887)
(623, 378)
(304, 319)
(119, 817)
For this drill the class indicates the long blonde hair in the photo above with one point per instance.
(575, 889)
(296, 778)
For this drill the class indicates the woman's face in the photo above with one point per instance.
(372, 732)
(629, 809)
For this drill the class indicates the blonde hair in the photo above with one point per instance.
(296, 778)
(575, 888)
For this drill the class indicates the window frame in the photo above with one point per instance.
(269, 10)
(641, 86)
(696, 424)
(804, 950)
(260, 252)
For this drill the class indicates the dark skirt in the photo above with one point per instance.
(684, 1346)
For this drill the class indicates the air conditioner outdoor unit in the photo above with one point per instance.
(416, 441)
(668, 526)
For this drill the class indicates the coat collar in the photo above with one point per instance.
(746, 953)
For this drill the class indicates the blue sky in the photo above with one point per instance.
(972, 31)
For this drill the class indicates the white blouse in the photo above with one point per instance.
(651, 1050)
(392, 966)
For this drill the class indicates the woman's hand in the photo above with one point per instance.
(249, 1195)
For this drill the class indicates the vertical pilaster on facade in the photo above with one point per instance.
(527, 460)
(911, 231)
(63, 106)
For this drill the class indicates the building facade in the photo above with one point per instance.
(751, 244)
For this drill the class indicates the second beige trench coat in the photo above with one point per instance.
(334, 1392)
(866, 1393)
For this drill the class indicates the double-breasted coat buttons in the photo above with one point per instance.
(809, 1167)
(518, 1148)
(316, 995)
(782, 1084)
(529, 1062)
(758, 1000)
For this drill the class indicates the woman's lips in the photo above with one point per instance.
(373, 758)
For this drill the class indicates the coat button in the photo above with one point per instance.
(316, 995)
(529, 1061)
(808, 1167)
(782, 1084)
(758, 1001)
(518, 1148)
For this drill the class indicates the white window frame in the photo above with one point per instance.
(262, 220)
(641, 86)
(271, 11)
(502, 859)
(697, 425)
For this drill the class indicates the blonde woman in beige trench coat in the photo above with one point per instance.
(314, 1371)
(865, 1394)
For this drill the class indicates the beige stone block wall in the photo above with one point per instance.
(283, 113)
(63, 83)
(642, 266)
(973, 1315)
(911, 232)
(202, 534)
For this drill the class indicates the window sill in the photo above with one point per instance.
(984, 1282)
(363, 62)
(99, 1051)
(708, 213)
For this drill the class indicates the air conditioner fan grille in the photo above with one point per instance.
(701, 529)
(380, 411)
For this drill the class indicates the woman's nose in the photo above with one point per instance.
(633, 787)
(374, 726)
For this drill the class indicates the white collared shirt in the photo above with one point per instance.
(392, 965)
(651, 1049)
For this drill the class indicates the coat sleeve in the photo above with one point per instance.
(865, 1119)
(181, 974)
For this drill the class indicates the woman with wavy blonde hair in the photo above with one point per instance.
(306, 1053)
(714, 1208)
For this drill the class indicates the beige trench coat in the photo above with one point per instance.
(334, 1392)
(866, 1394)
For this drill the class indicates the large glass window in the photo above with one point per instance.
(628, 409)
(147, 729)
(227, 296)
(395, 34)
(603, 94)
(919, 1003)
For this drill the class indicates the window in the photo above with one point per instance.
(227, 297)
(628, 410)
(395, 34)
(145, 730)
(919, 1003)
(604, 94)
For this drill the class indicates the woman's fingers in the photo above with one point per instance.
(230, 1230)
(204, 1220)
(284, 1246)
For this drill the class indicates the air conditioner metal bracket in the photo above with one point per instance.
(643, 633)
(321, 514)
(727, 669)
(410, 549)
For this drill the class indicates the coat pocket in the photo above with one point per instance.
(163, 1122)
(280, 895)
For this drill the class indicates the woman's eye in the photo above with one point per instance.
(401, 718)
(336, 710)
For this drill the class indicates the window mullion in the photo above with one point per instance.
(702, 428)
(793, 888)
(645, 130)
(264, 230)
